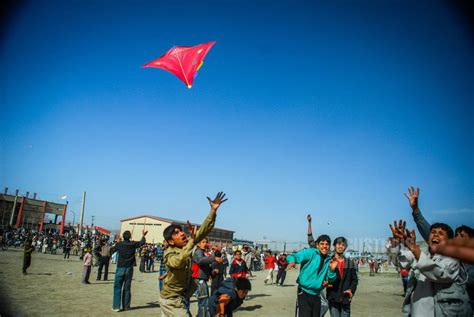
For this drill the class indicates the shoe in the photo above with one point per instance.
(116, 309)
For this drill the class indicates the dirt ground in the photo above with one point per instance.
(53, 288)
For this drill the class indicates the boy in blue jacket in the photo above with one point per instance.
(316, 268)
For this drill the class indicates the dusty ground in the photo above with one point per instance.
(53, 288)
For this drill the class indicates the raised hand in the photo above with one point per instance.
(398, 230)
(309, 217)
(410, 243)
(412, 197)
(410, 239)
(144, 232)
(217, 201)
(192, 230)
(333, 264)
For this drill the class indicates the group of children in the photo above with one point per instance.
(437, 285)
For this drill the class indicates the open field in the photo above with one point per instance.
(53, 288)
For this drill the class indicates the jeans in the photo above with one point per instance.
(203, 298)
(123, 280)
(308, 305)
(340, 310)
(103, 264)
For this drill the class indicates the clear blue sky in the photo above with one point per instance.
(332, 107)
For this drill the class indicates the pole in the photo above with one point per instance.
(14, 208)
(82, 212)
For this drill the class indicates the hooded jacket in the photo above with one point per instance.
(228, 288)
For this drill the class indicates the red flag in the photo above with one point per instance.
(183, 61)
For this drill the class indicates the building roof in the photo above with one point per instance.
(35, 205)
(170, 221)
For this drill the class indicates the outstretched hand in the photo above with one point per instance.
(462, 249)
(410, 240)
(216, 202)
(398, 230)
(412, 197)
(309, 217)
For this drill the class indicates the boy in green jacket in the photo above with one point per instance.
(179, 284)
(316, 268)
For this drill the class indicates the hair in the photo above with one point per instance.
(168, 232)
(323, 237)
(127, 235)
(237, 251)
(444, 227)
(339, 240)
(243, 284)
(217, 253)
(466, 229)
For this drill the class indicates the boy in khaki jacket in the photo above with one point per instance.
(178, 284)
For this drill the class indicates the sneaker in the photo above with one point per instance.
(116, 309)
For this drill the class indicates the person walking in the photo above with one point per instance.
(123, 274)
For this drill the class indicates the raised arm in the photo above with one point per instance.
(210, 220)
(421, 223)
(311, 242)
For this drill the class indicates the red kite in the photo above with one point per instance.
(183, 61)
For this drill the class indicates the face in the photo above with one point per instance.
(178, 238)
(202, 245)
(323, 247)
(437, 235)
(340, 248)
(462, 235)
(242, 293)
(238, 255)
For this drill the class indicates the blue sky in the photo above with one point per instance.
(332, 108)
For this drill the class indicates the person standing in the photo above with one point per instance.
(218, 271)
(238, 268)
(179, 285)
(67, 248)
(86, 271)
(342, 290)
(316, 268)
(124, 272)
(27, 255)
(203, 262)
(104, 260)
(247, 255)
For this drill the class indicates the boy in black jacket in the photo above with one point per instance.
(341, 291)
(229, 297)
(218, 270)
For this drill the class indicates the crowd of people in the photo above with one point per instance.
(435, 282)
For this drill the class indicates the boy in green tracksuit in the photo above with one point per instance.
(316, 268)
(179, 284)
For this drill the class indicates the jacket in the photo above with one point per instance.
(309, 280)
(228, 288)
(349, 280)
(435, 286)
(238, 269)
(204, 264)
(126, 252)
